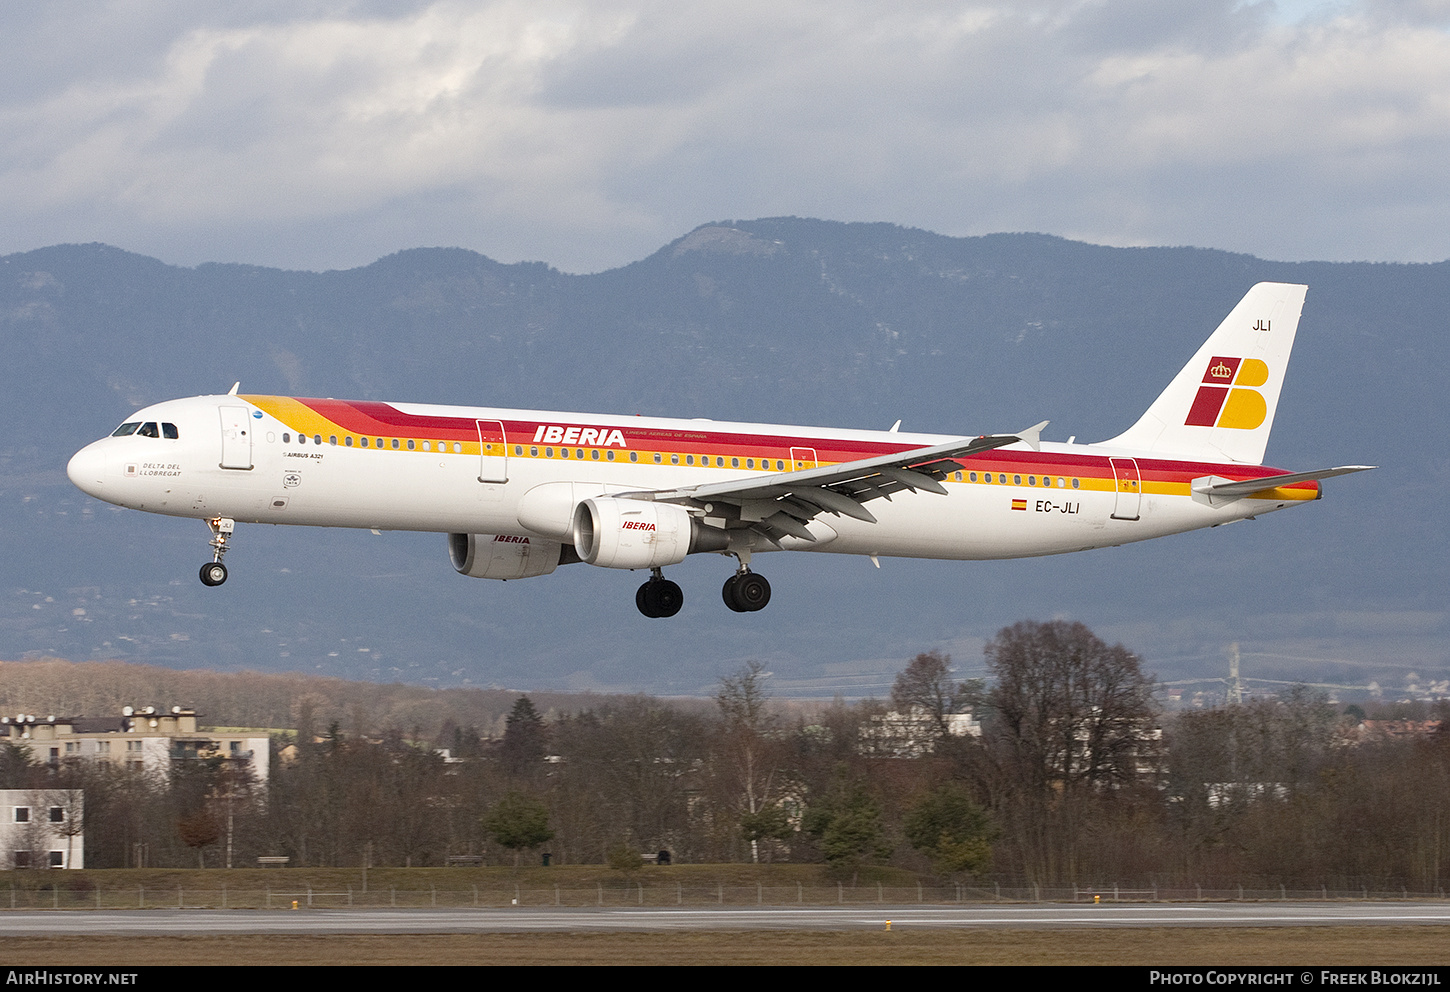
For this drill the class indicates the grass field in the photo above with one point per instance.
(1288, 946)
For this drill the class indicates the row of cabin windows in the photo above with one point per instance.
(149, 429)
(578, 453)
(1032, 480)
(658, 456)
(397, 444)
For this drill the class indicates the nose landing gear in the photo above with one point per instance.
(659, 597)
(214, 573)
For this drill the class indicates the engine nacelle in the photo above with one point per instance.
(503, 556)
(633, 533)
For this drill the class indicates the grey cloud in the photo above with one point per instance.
(323, 134)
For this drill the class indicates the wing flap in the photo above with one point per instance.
(781, 504)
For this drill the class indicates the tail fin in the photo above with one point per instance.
(1222, 403)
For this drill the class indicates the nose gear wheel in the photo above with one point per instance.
(214, 573)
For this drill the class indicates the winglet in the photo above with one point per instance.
(1032, 436)
(235, 386)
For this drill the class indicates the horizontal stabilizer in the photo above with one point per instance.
(1216, 491)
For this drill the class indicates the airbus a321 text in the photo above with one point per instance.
(520, 493)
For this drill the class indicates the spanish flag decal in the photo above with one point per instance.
(1019, 504)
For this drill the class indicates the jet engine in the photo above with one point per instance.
(632, 533)
(503, 556)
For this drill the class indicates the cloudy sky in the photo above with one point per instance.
(325, 133)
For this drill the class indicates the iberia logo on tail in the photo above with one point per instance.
(1227, 397)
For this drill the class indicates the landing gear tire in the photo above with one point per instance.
(213, 573)
(746, 592)
(659, 598)
(728, 594)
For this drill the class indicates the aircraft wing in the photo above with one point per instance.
(782, 503)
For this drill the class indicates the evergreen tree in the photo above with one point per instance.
(525, 738)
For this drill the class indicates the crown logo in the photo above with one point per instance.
(1221, 371)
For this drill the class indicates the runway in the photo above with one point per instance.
(25, 923)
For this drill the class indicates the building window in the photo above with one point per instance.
(57, 814)
(57, 859)
(22, 814)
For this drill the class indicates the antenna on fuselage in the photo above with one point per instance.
(235, 386)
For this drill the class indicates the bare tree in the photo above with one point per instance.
(752, 754)
(925, 692)
(1071, 730)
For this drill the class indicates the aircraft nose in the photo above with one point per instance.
(87, 469)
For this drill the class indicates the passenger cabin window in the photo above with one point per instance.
(126, 430)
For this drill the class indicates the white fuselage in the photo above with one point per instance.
(427, 468)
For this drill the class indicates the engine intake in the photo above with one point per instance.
(503, 556)
(631, 533)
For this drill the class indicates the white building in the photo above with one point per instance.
(914, 733)
(142, 740)
(42, 828)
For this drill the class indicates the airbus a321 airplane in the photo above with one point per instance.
(520, 493)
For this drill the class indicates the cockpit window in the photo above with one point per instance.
(126, 430)
(170, 431)
(149, 429)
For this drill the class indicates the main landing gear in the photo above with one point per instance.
(744, 592)
(659, 597)
(214, 573)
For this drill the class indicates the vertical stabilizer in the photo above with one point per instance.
(1222, 404)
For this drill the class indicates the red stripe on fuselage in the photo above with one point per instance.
(375, 418)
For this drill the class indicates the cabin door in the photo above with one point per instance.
(493, 452)
(236, 437)
(1129, 487)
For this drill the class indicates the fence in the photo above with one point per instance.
(637, 894)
